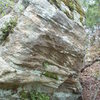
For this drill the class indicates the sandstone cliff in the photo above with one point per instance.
(42, 49)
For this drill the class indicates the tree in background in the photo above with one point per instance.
(93, 14)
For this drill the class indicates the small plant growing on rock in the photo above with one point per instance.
(9, 28)
(81, 19)
(45, 64)
(33, 95)
(71, 6)
(39, 96)
(51, 75)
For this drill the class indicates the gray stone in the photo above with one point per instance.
(65, 96)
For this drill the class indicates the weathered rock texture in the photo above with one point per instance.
(90, 76)
(90, 79)
(45, 50)
(93, 51)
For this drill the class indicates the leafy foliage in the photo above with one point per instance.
(93, 14)
(39, 96)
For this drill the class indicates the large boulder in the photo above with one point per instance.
(44, 51)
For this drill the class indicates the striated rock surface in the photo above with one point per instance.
(44, 51)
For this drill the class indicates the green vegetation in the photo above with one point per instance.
(79, 8)
(72, 5)
(5, 4)
(51, 75)
(24, 95)
(46, 64)
(9, 28)
(47, 73)
(58, 4)
(93, 14)
(33, 95)
(68, 15)
(81, 19)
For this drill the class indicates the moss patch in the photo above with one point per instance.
(79, 9)
(74, 5)
(51, 75)
(68, 15)
(71, 4)
(81, 19)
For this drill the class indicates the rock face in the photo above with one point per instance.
(93, 51)
(90, 77)
(45, 50)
